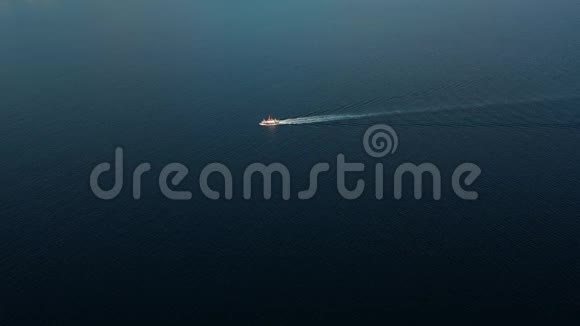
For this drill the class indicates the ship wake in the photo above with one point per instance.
(327, 118)
(330, 118)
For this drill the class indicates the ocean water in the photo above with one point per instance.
(488, 82)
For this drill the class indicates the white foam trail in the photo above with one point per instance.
(327, 118)
(342, 117)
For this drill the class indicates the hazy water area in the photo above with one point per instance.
(494, 83)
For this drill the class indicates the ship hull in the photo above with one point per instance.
(269, 124)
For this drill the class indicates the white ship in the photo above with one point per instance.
(269, 122)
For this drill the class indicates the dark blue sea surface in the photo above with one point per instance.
(495, 83)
